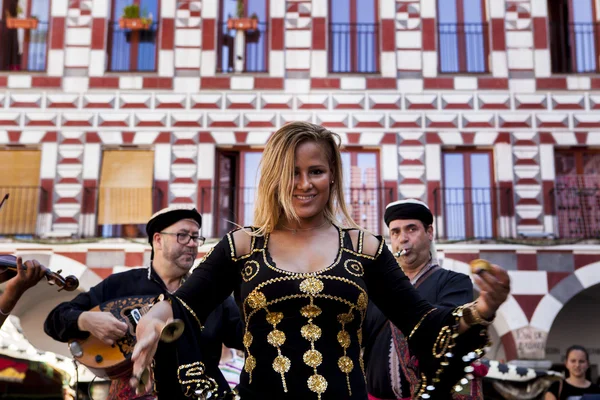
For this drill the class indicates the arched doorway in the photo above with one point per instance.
(576, 324)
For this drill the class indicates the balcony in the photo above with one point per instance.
(132, 50)
(470, 213)
(118, 212)
(463, 48)
(225, 208)
(23, 49)
(353, 48)
(576, 203)
(574, 47)
(255, 58)
(19, 215)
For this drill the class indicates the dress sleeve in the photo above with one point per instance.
(209, 285)
(211, 282)
(432, 332)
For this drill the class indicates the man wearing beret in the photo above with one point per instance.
(174, 234)
(391, 372)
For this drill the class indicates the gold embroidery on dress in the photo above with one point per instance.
(345, 363)
(354, 268)
(250, 270)
(198, 383)
(312, 287)
(313, 358)
(276, 338)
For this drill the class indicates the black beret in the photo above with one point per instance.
(408, 209)
(167, 217)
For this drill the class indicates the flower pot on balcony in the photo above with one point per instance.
(242, 24)
(21, 23)
(134, 24)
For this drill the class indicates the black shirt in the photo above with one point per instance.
(570, 392)
(223, 325)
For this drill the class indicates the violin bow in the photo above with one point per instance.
(3, 200)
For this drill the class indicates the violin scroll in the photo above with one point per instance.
(68, 283)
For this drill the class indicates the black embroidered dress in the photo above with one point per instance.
(303, 332)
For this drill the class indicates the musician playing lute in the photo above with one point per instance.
(174, 234)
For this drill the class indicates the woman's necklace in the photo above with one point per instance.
(295, 230)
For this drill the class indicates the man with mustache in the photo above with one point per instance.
(391, 372)
(174, 234)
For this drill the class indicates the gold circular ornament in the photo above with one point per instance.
(345, 364)
(276, 338)
(343, 339)
(310, 311)
(250, 364)
(345, 318)
(317, 383)
(312, 286)
(248, 338)
(281, 364)
(354, 267)
(274, 318)
(310, 332)
(313, 358)
(256, 299)
(250, 270)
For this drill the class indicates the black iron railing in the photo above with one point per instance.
(353, 48)
(23, 49)
(255, 53)
(132, 50)
(469, 213)
(574, 47)
(19, 215)
(121, 203)
(463, 48)
(225, 208)
(576, 203)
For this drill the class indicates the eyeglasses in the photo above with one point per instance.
(184, 238)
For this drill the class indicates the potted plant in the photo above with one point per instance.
(132, 20)
(17, 22)
(242, 23)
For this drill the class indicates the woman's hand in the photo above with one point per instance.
(494, 285)
(147, 337)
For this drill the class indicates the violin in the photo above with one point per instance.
(8, 270)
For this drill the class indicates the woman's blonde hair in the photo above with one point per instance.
(276, 184)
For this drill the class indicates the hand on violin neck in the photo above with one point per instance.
(29, 273)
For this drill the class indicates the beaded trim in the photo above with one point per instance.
(191, 312)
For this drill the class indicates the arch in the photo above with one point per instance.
(33, 308)
(551, 304)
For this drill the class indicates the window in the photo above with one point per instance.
(462, 36)
(577, 193)
(573, 36)
(466, 199)
(364, 196)
(354, 36)
(19, 215)
(126, 198)
(24, 46)
(256, 41)
(133, 50)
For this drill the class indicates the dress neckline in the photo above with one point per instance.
(272, 265)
